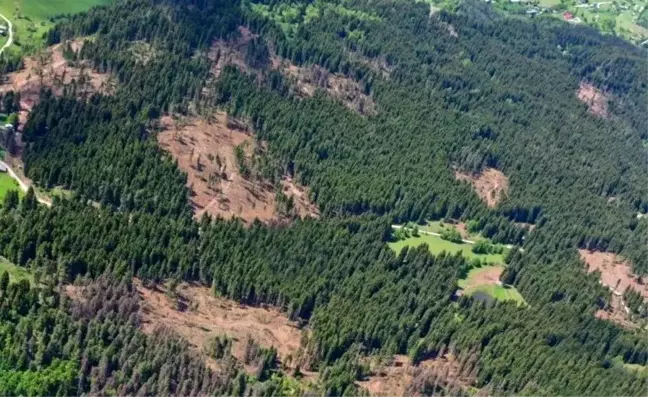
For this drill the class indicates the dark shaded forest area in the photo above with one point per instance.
(498, 93)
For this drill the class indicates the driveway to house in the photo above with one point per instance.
(24, 186)
(10, 29)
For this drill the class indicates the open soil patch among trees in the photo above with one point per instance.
(306, 80)
(616, 273)
(217, 154)
(617, 276)
(491, 185)
(50, 69)
(398, 376)
(483, 283)
(595, 99)
(198, 316)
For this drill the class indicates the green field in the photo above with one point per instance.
(7, 183)
(472, 285)
(476, 282)
(625, 22)
(15, 273)
(497, 292)
(437, 245)
(621, 17)
(548, 3)
(636, 368)
(31, 19)
(434, 226)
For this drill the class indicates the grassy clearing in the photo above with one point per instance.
(16, 273)
(434, 227)
(484, 281)
(548, 3)
(636, 368)
(33, 18)
(641, 369)
(8, 183)
(54, 192)
(437, 245)
(625, 24)
(497, 292)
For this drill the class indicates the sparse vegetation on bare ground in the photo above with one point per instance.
(217, 154)
(617, 276)
(49, 69)
(491, 185)
(595, 99)
(398, 376)
(305, 79)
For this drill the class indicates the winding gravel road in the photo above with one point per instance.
(25, 186)
(10, 29)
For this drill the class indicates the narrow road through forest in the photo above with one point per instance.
(509, 246)
(23, 185)
(429, 233)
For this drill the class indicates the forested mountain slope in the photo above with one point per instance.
(461, 92)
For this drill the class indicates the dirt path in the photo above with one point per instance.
(509, 246)
(429, 233)
(24, 186)
(10, 29)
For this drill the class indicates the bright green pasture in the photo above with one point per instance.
(472, 285)
(16, 273)
(7, 183)
(436, 245)
(32, 19)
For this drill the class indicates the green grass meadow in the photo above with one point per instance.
(498, 292)
(470, 284)
(16, 273)
(31, 19)
(7, 183)
(437, 245)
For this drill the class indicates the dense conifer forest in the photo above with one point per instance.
(466, 90)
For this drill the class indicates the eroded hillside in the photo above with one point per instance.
(306, 80)
(218, 155)
(50, 69)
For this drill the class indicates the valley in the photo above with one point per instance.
(322, 198)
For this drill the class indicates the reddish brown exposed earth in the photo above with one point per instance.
(202, 316)
(399, 377)
(462, 229)
(595, 99)
(311, 78)
(50, 69)
(616, 274)
(306, 79)
(616, 312)
(491, 185)
(615, 271)
(204, 149)
(231, 52)
(193, 312)
(489, 275)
